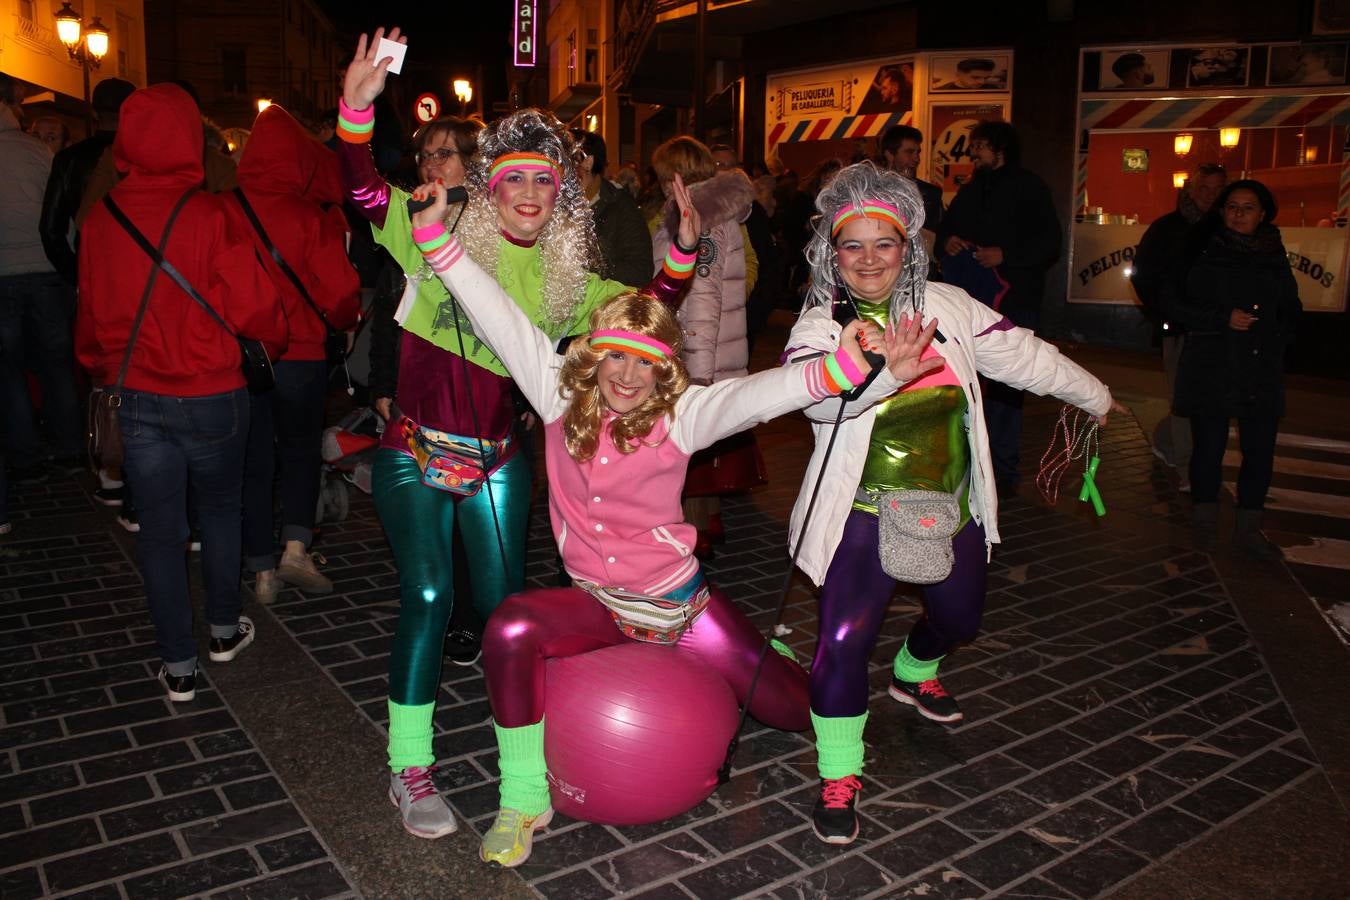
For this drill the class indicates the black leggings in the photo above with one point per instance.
(1256, 438)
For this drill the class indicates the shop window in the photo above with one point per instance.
(1130, 177)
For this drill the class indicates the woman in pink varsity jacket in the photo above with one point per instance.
(621, 421)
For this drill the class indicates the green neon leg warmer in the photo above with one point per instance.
(839, 744)
(907, 668)
(524, 773)
(410, 735)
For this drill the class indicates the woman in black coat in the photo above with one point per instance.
(1238, 305)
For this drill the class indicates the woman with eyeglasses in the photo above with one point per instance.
(905, 443)
(1239, 305)
(447, 456)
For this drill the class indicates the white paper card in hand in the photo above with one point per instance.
(395, 49)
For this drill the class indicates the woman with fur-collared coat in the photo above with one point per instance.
(713, 315)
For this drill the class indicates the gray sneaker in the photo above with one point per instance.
(425, 813)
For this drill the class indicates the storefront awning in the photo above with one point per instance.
(1211, 112)
(836, 127)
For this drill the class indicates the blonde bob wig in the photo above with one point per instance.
(642, 313)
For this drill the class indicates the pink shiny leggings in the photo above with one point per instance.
(532, 627)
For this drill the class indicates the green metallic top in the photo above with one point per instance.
(918, 439)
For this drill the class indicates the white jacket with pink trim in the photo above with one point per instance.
(975, 341)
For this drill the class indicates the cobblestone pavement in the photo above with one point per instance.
(1117, 709)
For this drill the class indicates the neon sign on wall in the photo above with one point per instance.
(525, 32)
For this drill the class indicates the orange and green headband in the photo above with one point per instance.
(648, 348)
(525, 162)
(870, 209)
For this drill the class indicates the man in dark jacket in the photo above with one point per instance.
(1003, 222)
(902, 148)
(1160, 264)
(70, 176)
(625, 242)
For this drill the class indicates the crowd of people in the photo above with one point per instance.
(524, 302)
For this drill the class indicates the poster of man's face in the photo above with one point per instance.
(1134, 70)
(892, 89)
(1217, 67)
(948, 74)
(1300, 64)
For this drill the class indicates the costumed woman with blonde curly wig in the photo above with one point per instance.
(621, 421)
(910, 454)
(447, 454)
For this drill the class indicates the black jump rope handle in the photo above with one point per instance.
(452, 195)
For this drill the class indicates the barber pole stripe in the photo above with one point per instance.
(1080, 183)
(1343, 195)
(1228, 112)
(836, 127)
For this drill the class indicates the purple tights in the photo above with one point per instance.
(532, 627)
(853, 603)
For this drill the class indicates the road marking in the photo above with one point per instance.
(1292, 465)
(1290, 500)
(1308, 442)
(1330, 553)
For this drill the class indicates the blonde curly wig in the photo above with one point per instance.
(567, 244)
(635, 311)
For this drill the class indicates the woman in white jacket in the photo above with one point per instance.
(924, 435)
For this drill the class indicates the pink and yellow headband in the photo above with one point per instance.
(526, 162)
(871, 209)
(649, 348)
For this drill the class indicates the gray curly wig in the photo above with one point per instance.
(567, 245)
(856, 184)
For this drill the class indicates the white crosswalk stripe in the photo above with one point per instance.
(1308, 515)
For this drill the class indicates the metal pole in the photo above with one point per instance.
(88, 97)
(699, 50)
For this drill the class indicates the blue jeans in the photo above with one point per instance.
(36, 334)
(173, 443)
(286, 427)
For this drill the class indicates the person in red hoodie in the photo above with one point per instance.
(184, 411)
(291, 183)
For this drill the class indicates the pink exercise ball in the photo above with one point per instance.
(634, 733)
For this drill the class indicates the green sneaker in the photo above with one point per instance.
(508, 842)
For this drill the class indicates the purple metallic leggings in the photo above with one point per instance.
(853, 603)
(532, 627)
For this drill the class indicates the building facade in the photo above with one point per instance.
(236, 54)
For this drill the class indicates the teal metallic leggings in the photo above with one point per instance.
(420, 521)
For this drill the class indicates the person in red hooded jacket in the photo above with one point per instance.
(291, 183)
(184, 411)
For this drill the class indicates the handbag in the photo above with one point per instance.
(915, 530)
(335, 341)
(652, 620)
(449, 462)
(105, 431)
(254, 362)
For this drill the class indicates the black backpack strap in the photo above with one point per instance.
(164, 264)
(149, 281)
(279, 260)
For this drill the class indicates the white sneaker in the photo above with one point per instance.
(425, 812)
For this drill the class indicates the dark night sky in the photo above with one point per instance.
(445, 39)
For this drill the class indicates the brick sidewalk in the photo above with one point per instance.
(1118, 715)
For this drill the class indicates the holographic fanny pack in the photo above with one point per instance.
(653, 620)
(450, 462)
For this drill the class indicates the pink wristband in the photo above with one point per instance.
(850, 369)
(356, 116)
(428, 232)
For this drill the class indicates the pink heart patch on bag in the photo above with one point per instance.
(928, 521)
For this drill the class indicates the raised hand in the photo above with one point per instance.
(691, 225)
(436, 211)
(366, 74)
(903, 346)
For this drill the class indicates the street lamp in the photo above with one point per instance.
(86, 44)
(463, 91)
